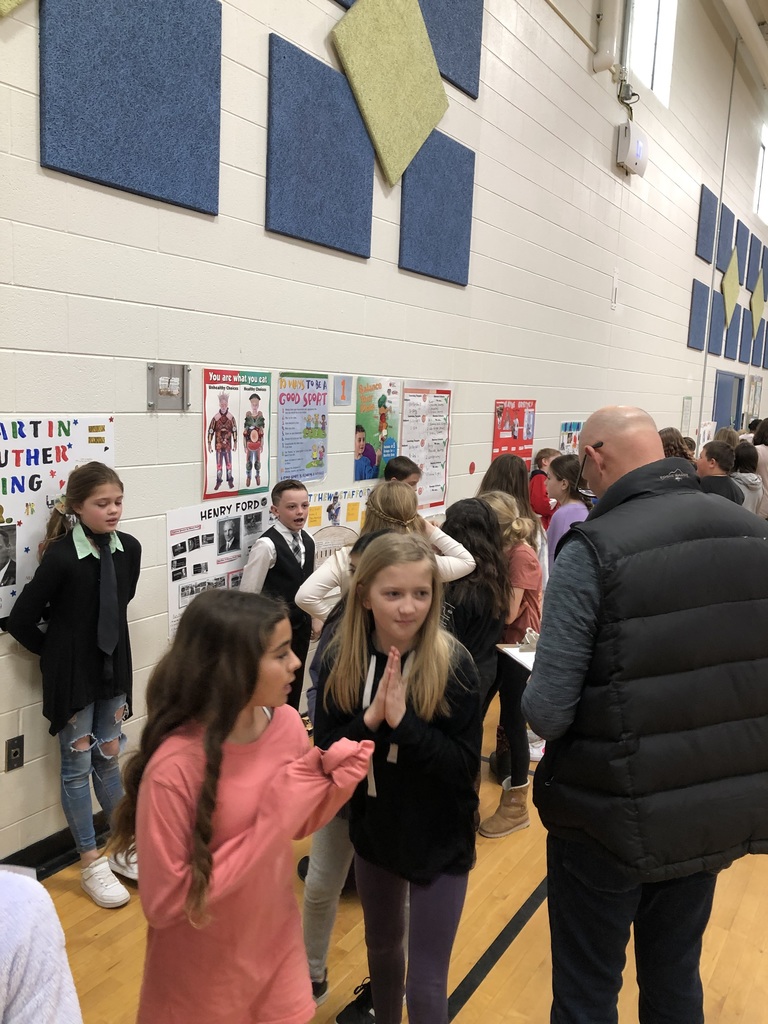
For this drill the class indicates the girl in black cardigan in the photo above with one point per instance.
(394, 676)
(86, 578)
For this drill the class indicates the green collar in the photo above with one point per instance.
(83, 546)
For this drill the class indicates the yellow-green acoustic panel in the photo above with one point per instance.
(6, 6)
(386, 53)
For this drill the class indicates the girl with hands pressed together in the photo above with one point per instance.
(393, 675)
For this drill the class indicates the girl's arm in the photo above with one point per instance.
(448, 748)
(453, 560)
(304, 795)
(332, 724)
(30, 604)
(333, 574)
(135, 557)
(514, 604)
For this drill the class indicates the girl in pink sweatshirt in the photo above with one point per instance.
(223, 781)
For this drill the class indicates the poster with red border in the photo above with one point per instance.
(514, 423)
(425, 434)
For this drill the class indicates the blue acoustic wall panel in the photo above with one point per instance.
(745, 348)
(731, 335)
(705, 235)
(742, 240)
(753, 263)
(764, 267)
(455, 30)
(319, 155)
(725, 239)
(716, 325)
(761, 328)
(130, 96)
(436, 210)
(757, 345)
(697, 325)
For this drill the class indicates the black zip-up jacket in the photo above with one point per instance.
(420, 824)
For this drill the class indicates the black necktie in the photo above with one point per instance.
(108, 629)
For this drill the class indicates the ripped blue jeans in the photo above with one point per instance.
(99, 723)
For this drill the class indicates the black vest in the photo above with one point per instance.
(286, 575)
(665, 767)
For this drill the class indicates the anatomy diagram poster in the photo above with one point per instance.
(37, 454)
(514, 422)
(425, 434)
(377, 424)
(236, 407)
(302, 426)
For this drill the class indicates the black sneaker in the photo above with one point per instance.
(302, 868)
(320, 990)
(360, 1010)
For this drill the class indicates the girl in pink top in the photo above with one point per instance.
(223, 781)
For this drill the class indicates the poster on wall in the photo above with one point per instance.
(236, 406)
(685, 416)
(707, 432)
(302, 426)
(37, 454)
(514, 423)
(208, 547)
(569, 437)
(377, 425)
(754, 398)
(425, 434)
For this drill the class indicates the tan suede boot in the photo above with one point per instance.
(511, 814)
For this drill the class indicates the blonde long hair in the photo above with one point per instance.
(393, 505)
(515, 529)
(435, 652)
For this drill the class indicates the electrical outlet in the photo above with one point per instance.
(14, 753)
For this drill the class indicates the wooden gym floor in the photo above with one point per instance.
(500, 966)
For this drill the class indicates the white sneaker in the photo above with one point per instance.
(126, 865)
(536, 750)
(102, 886)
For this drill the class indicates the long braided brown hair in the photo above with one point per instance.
(207, 676)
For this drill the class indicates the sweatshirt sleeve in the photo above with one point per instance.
(332, 724)
(313, 596)
(453, 559)
(304, 795)
(48, 580)
(538, 495)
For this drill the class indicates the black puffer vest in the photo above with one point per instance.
(665, 767)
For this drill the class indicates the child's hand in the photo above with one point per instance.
(347, 761)
(376, 711)
(394, 708)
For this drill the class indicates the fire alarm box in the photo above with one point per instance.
(632, 149)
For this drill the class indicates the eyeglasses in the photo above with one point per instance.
(586, 491)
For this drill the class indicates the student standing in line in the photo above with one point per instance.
(404, 469)
(537, 485)
(279, 563)
(223, 781)
(760, 441)
(572, 505)
(86, 578)
(675, 445)
(713, 468)
(395, 676)
(391, 505)
(509, 473)
(745, 476)
(525, 613)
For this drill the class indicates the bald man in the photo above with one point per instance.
(651, 688)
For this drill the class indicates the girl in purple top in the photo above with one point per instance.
(572, 505)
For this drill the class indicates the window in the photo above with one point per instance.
(761, 188)
(652, 44)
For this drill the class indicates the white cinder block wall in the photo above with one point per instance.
(94, 282)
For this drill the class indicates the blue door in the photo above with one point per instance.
(729, 395)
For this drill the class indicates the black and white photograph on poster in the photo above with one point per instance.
(178, 563)
(216, 534)
(229, 536)
(253, 523)
(179, 574)
(7, 556)
(38, 451)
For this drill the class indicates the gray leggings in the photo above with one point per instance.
(435, 913)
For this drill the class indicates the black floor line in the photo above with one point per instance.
(474, 979)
